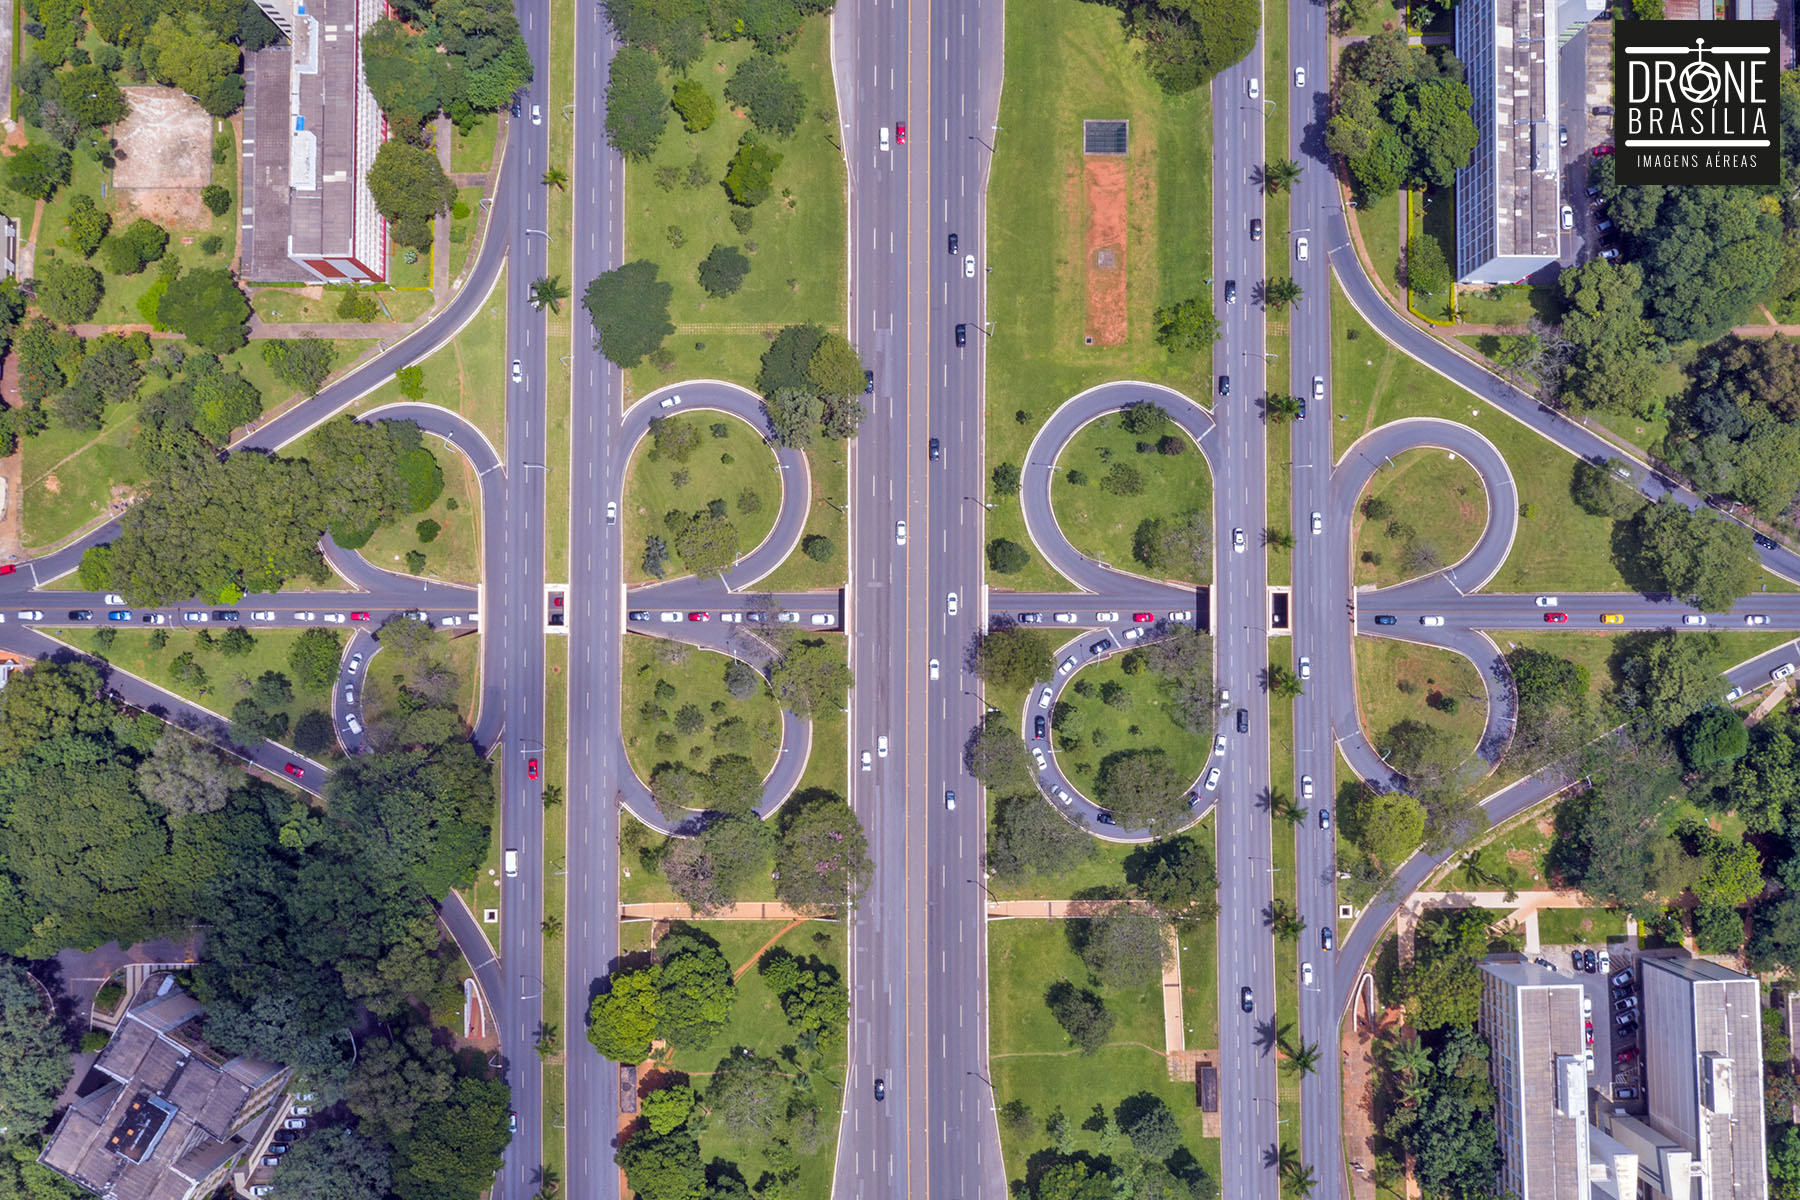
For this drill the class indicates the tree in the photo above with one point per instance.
(1697, 553)
(1280, 292)
(304, 362)
(793, 414)
(1005, 479)
(835, 369)
(455, 1147)
(1145, 1119)
(335, 1164)
(630, 310)
(185, 776)
(814, 996)
(1708, 255)
(995, 755)
(1733, 872)
(206, 306)
(87, 224)
(723, 270)
(1176, 876)
(663, 1168)
(409, 188)
(666, 1109)
(405, 73)
(1187, 326)
(1177, 546)
(695, 105)
(1280, 407)
(1027, 837)
(822, 858)
(1279, 175)
(1284, 684)
(216, 198)
(811, 675)
(548, 291)
(1007, 557)
(1600, 490)
(555, 177)
(1714, 736)
(788, 360)
(1612, 357)
(1125, 949)
(89, 94)
(67, 292)
(1387, 825)
(623, 1018)
(315, 656)
(746, 1094)
(411, 382)
(1444, 984)
(750, 175)
(1668, 678)
(695, 991)
(36, 170)
(637, 108)
(762, 87)
(1081, 1013)
(34, 1059)
(189, 54)
(818, 547)
(1427, 270)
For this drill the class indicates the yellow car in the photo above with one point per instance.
(1612, 618)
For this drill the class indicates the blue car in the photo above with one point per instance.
(1384, 619)
(119, 614)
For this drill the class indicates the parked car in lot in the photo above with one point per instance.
(1625, 1093)
(1587, 961)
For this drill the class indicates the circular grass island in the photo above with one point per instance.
(707, 484)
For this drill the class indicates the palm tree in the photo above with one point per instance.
(1303, 1060)
(1280, 292)
(552, 926)
(1281, 539)
(1284, 919)
(1284, 683)
(557, 178)
(1281, 407)
(1283, 1035)
(547, 1041)
(553, 794)
(1302, 1179)
(1285, 807)
(1280, 175)
(1287, 1158)
(548, 290)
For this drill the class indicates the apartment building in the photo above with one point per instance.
(1531, 1018)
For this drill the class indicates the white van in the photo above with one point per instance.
(512, 864)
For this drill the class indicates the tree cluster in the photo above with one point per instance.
(684, 996)
(811, 380)
(1402, 116)
(1736, 429)
(1441, 1111)
(460, 57)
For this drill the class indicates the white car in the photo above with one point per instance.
(156, 619)
(1044, 697)
(1547, 602)
(950, 801)
(1106, 617)
(1219, 746)
(1134, 633)
(612, 512)
(352, 724)
(1068, 664)
(968, 266)
(881, 745)
(1693, 619)
(299, 616)
(1183, 615)
(868, 761)
(732, 618)
(1756, 619)
(1212, 780)
(264, 615)
(786, 618)
(1318, 523)
(1431, 620)
(669, 617)
(1777, 675)
(1064, 797)
(1255, 88)
(1064, 618)
(30, 614)
(1037, 754)
(1306, 787)
(115, 600)
(1568, 217)
(450, 621)
(1299, 76)
(934, 668)
(884, 139)
(537, 115)
(900, 533)
(200, 618)
(518, 371)
(952, 604)
(1319, 388)
(1733, 694)
(1237, 540)
(669, 402)
(330, 618)
(1305, 667)
(1300, 249)
(822, 619)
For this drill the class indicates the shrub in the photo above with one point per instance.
(695, 105)
(427, 530)
(818, 547)
(212, 243)
(1007, 557)
(415, 562)
(750, 177)
(216, 198)
(422, 478)
(722, 272)
(221, 147)
(358, 305)
(313, 732)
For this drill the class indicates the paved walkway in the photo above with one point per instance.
(1523, 908)
(751, 911)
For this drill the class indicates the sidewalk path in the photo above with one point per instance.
(1523, 908)
(751, 911)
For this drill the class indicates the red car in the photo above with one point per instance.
(1140, 618)
(900, 132)
(7, 568)
(359, 616)
(1602, 151)
(296, 770)
(531, 768)
(1627, 1054)
(699, 616)
(1556, 618)
(1590, 1032)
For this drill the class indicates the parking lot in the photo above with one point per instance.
(1609, 1038)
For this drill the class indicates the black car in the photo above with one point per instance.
(226, 614)
(1031, 618)
(1243, 720)
(962, 336)
(953, 243)
(868, 383)
(1325, 937)
(1301, 415)
(1224, 385)
(881, 1089)
(1385, 619)
(1231, 291)
(1105, 818)
(1101, 646)
(1246, 999)
(81, 614)
(1587, 961)
(1038, 726)
(1256, 229)
(1575, 959)
(515, 106)
(936, 450)
(638, 614)
(1765, 543)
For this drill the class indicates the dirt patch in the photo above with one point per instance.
(1106, 180)
(164, 158)
(52, 484)
(172, 208)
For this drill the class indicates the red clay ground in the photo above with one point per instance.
(1106, 180)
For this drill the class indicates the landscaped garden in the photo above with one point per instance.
(702, 484)
(1107, 710)
(690, 710)
(1114, 485)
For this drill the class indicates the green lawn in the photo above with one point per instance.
(699, 681)
(1433, 220)
(1579, 926)
(1379, 223)
(1509, 304)
(1071, 62)
(1380, 15)
(1385, 668)
(830, 489)
(1520, 845)
(1032, 1061)
(723, 468)
(414, 274)
(473, 151)
(1144, 723)
(455, 554)
(1595, 650)
(758, 1025)
(228, 679)
(1561, 547)
(1101, 876)
(795, 242)
(1100, 523)
(382, 673)
(1435, 494)
(467, 374)
(462, 229)
(1199, 941)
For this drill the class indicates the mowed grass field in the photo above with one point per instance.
(698, 680)
(1145, 723)
(1032, 1060)
(455, 553)
(1439, 496)
(1101, 524)
(1397, 681)
(796, 240)
(1069, 62)
(720, 468)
